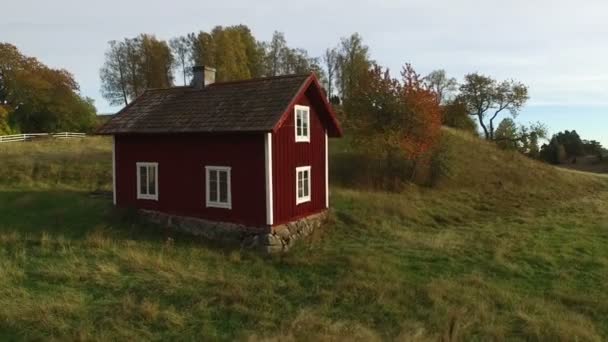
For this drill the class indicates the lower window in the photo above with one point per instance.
(147, 181)
(218, 187)
(302, 184)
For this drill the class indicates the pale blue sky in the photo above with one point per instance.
(558, 48)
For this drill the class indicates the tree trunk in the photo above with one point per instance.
(485, 129)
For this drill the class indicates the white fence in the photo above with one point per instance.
(30, 136)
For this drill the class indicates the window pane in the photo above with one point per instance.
(143, 180)
(300, 183)
(152, 180)
(305, 184)
(213, 186)
(223, 187)
(299, 122)
(305, 124)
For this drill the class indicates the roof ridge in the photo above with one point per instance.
(255, 79)
(265, 78)
(168, 88)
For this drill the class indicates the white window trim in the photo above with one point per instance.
(269, 193)
(146, 196)
(210, 204)
(301, 138)
(300, 200)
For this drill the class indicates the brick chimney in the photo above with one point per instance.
(202, 76)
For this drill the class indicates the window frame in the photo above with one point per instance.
(302, 138)
(308, 197)
(147, 165)
(218, 204)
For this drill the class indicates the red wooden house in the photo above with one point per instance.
(251, 153)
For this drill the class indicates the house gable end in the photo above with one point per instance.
(312, 88)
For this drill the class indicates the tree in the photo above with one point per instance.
(276, 51)
(157, 62)
(280, 59)
(4, 122)
(487, 99)
(521, 138)
(568, 144)
(396, 121)
(114, 83)
(441, 84)
(36, 98)
(233, 51)
(203, 48)
(594, 148)
(330, 58)
(353, 65)
(554, 152)
(456, 115)
(423, 122)
(133, 65)
(572, 143)
(507, 135)
(181, 48)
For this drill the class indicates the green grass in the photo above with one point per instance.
(502, 248)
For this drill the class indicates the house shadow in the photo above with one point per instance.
(78, 215)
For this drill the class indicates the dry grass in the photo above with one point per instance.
(504, 249)
(82, 163)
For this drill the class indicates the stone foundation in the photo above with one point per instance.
(283, 237)
(275, 239)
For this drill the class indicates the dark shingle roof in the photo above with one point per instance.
(242, 106)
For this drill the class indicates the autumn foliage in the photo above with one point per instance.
(396, 120)
(422, 123)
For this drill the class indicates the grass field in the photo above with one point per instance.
(503, 248)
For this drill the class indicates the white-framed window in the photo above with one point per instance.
(302, 184)
(302, 123)
(218, 187)
(147, 181)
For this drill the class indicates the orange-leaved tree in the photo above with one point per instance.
(398, 123)
(422, 122)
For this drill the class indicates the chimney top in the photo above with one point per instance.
(202, 76)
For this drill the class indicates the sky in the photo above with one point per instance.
(559, 48)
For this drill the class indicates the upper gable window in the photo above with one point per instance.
(147, 181)
(302, 119)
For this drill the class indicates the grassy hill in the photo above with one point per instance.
(502, 248)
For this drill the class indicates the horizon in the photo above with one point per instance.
(560, 56)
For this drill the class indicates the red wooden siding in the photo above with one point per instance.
(181, 174)
(287, 155)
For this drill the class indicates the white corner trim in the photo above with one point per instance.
(218, 204)
(114, 169)
(304, 199)
(301, 138)
(147, 196)
(269, 191)
(326, 171)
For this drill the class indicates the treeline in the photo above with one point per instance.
(36, 98)
(396, 120)
(134, 64)
(567, 146)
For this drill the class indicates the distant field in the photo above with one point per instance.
(503, 248)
